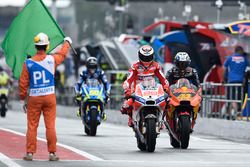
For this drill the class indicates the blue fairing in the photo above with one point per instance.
(93, 96)
(89, 88)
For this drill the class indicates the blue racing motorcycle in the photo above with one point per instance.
(92, 105)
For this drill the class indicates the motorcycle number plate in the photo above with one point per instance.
(184, 96)
(93, 92)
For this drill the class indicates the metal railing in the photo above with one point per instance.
(66, 97)
(224, 101)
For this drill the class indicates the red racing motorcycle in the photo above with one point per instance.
(148, 108)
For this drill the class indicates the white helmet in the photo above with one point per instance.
(41, 39)
(146, 53)
(182, 60)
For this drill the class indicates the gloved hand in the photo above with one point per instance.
(78, 97)
(107, 96)
(200, 91)
(124, 109)
(166, 89)
(24, 105)
(68, 39)
(128, 92)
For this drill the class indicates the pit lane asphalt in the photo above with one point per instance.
(115, 145)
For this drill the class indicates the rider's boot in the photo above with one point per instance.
(78, 102)
(104, 116)
(78, 113)
(130, 122)
(130, 119)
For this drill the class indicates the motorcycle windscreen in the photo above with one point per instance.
(183, 89)
(151, 88)
(93, 89)
(148, 83)
(92, 83)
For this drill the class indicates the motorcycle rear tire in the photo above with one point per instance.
(185, 129)
(93, 122)
(3, 112)
(150, 135)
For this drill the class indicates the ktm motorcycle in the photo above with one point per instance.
(184, 104)
(148, 108)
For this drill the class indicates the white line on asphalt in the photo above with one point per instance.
(7, 161)
(80, 152)
(83, 153)
(219, 140)
(182, 162)
(200, 139)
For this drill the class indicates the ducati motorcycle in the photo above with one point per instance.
(148, 108)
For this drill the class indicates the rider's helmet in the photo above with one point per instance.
(146, 55)
(41, 41)
(182, 60)
(91, 64)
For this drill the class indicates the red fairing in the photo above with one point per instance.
(138, 72)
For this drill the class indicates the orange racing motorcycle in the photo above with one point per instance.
(184, 103)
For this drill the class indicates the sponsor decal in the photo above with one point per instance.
(240, 27)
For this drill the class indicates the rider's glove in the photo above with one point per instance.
(199, 92)
(124, 109)
(107, 96)
(166, 89)
(68, 39)
(78, 97)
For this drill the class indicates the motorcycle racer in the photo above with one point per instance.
(182, 70)
(92, 72)
(5, 79)
(144, 68)
(5, 85)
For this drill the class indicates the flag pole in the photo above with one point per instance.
(73, 49)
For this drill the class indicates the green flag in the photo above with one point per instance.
(19, 40)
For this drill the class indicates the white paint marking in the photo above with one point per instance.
(83, 153)
(200, 139)
(7, 161)
(80, 152)
(182, 162)
(218, 140)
